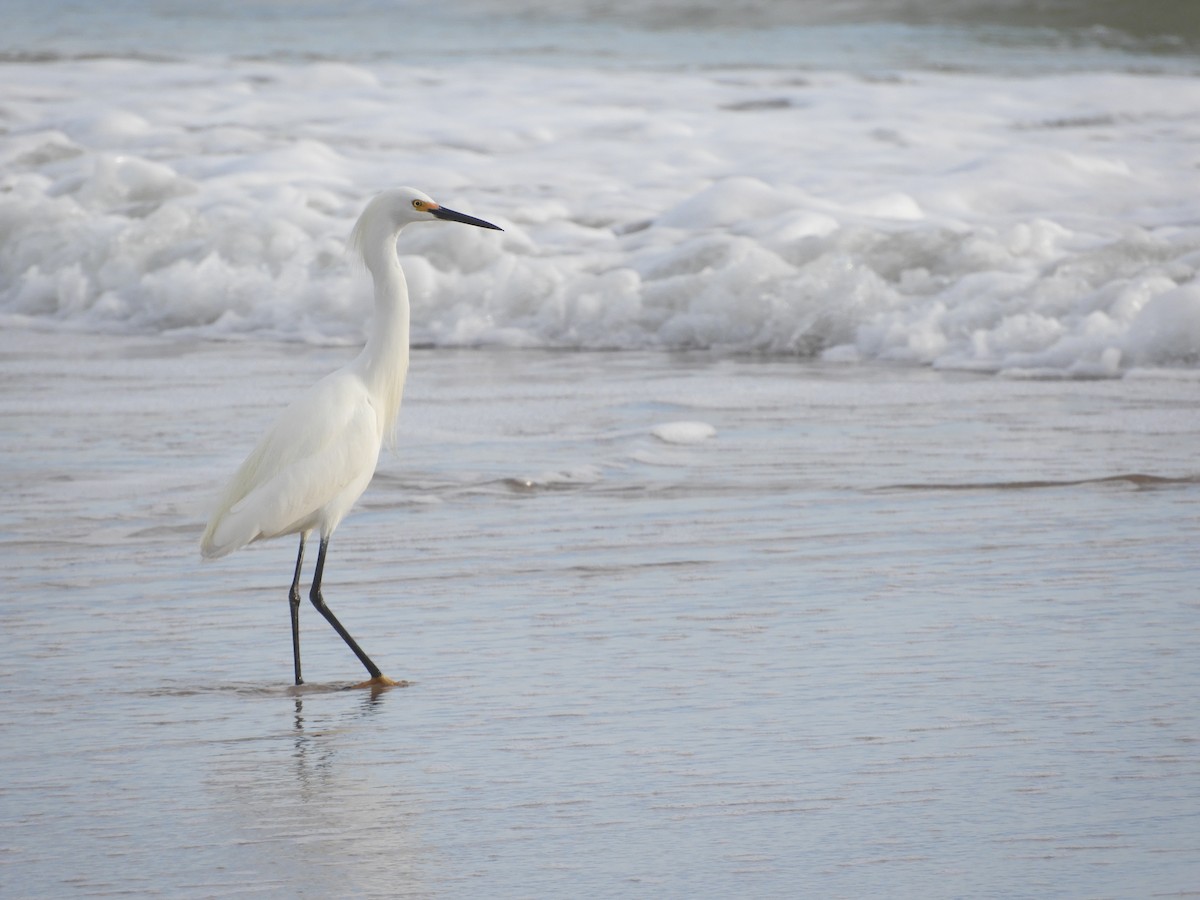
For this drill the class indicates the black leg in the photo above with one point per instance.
(319, 602)
(294, 603)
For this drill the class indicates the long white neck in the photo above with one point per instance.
(383, 362)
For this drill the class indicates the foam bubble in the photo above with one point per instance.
(684, 432)
(1167, 328)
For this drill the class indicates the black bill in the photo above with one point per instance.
(451, 216)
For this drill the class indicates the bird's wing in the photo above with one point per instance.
(324, 444)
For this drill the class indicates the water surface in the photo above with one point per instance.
(888, 631)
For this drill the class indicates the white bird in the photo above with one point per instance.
(316, 460)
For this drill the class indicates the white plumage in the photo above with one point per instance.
(319, 456)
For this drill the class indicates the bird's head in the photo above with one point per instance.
(400, 206)
(391, 210)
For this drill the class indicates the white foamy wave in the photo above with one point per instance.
(1037, 226)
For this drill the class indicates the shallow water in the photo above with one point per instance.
(887, 631)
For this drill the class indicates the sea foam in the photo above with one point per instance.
(1036, 225)
(683, 432)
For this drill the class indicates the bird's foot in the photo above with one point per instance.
(381, 681)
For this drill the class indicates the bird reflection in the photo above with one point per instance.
(315, 752)
(312, 796)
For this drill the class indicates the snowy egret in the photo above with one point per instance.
(317, 459)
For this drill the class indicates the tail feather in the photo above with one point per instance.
(227, 532)
(213, 546)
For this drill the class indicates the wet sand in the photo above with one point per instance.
(885, 631)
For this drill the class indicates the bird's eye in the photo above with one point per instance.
(418, 204)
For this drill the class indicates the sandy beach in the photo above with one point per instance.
(675, 624)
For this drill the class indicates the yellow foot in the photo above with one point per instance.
(381, 682)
